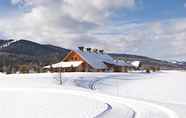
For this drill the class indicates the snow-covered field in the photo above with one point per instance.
(135, 94)
(29, 103)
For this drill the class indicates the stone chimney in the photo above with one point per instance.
(89, 50)
(101, 51)
(95, 50)
(81, 48)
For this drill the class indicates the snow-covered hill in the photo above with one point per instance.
(6, 43)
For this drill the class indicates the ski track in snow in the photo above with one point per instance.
(166, 113)
(140, 109)
(100, 115)
(134, 104)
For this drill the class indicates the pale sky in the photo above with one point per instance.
(154, 28)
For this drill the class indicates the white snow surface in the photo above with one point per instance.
(155, 95)
(136, 63)
(30, 103)
(39, 96)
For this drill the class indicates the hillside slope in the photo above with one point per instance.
(24, 52)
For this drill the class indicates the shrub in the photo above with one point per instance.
(158, 68)
(153, 69)
(24, 69)
(126, 70)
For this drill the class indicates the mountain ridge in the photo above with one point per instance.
(24, 52)
(32, 54)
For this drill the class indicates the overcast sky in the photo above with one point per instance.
(154, 28)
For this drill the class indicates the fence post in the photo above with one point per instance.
(60, 76)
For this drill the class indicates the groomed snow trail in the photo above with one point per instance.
(45, 103)
(141, 109)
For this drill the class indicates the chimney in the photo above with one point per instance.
(101, 51)
(81, 48)
(95, 50)
(89, 50)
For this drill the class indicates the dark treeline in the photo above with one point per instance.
(10, 63)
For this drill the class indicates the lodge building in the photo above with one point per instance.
(89, 60)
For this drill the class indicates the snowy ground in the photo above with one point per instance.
(155, 95)
(29, 103)
(165, 88)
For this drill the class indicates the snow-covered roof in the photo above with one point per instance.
(65, 64)
(136, 63)
(98, 60)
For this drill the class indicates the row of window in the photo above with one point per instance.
(74, 58)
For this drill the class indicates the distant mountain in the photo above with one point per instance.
(178, 62)
(24, 47)
(150, 61)
(4, 43)
(24, 52)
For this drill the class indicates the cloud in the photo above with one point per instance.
(159, 39)
(94, 10)
(90, 11)
(66, 17)
(32, 2)
(73, 23)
